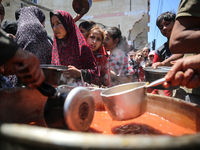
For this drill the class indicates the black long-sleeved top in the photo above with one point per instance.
(7, 47)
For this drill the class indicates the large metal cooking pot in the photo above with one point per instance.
(152, 74)
(28, 137)
(54, 74)
(21, 104)
(70, 109)
(64, 108)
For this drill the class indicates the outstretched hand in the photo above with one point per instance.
(72, 72)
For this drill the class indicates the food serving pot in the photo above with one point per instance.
(15, 136)
(54, 75)
(152, 74)
(68, 108)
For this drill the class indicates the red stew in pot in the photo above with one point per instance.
(148, 124)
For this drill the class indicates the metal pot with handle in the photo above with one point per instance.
(68, 108)
(81, 6)
(127, 101)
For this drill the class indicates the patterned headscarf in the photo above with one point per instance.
(31, 35)
(72, 49)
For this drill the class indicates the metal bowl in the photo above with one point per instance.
(54, 74)
(125, 101)
(152, 74)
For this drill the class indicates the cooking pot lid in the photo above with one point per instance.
(79, 109)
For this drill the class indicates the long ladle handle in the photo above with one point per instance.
(157, 82)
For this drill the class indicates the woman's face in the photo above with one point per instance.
(58, 28)
(109, 43)
(166, 28)
(95, 40)
(84, 32)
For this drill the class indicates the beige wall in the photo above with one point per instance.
(130, 15)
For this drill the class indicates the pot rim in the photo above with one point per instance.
(64, 138)
(122, 92)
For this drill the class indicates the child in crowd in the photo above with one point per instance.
(150, 59)
(135, 62)
(145, 52)
(85, 27)
(95, 41)
(151, 55)
(163, 55)
(121, 70)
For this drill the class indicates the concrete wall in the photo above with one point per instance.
(131, 16)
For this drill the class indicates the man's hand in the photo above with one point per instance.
(27, 68)
(185, 72)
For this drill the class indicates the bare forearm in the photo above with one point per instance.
(77, 17)
(167, 61)
(186, 42)
(185, 36)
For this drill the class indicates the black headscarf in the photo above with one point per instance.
(10, 27)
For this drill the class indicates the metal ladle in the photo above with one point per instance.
(127, 101)
(156, 82)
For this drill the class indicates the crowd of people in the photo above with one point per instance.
(95, 55)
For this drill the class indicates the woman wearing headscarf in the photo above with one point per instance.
(70, 49)
(31, 34)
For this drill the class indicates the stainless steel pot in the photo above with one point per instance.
(152, 74)
(54, 74)
(68, 108)
(29, 137)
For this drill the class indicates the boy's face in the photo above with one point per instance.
(166, 28)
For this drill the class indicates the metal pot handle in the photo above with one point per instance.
(47, 89)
